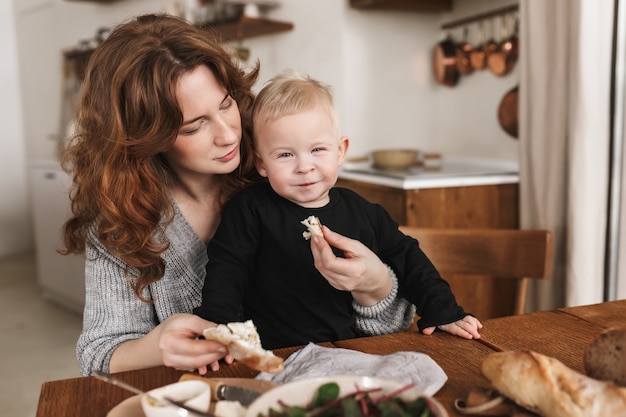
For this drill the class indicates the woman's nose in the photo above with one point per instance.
(225, 134)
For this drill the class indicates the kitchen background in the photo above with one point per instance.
(379, 63)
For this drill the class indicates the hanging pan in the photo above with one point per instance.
(502, 60)
(508, 113)
(445, 62)
(463, 51)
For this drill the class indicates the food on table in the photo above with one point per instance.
(194, 394)
(224, 408)
(244, 343)
(362, 402)
(605, 357)
(314, 226)
(545, 385)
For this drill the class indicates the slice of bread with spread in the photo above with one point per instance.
(244, 343)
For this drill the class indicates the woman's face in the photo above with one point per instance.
(208, 141)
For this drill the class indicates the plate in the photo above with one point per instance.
(131, 407)
(301, 392)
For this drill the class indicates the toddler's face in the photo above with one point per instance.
(300, 154)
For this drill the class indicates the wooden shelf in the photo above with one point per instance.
(246, 27)
(403, 5)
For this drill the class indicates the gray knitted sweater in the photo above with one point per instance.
(114, 315)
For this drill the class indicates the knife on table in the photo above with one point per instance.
(220, 390)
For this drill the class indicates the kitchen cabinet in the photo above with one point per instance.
(235, 29)
(479, 206)
(403, 5)
(488, 206)
(61, 278)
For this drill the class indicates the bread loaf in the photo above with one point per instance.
(545, 385)
(605, 357)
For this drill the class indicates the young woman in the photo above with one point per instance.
(160, 145)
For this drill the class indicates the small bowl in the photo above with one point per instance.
(194, 393)
(301, 392)
(394, 158)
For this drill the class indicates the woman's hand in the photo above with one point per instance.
(466, 328)
(182, 349)
(360, 272)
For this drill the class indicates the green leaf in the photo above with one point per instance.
(417, 406)
(325, 394)
(295, 411)
(391, 409)
(351, 408)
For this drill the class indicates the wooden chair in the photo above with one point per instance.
(467, 258)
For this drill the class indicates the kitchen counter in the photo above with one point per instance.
(466, 193)
(455, 171)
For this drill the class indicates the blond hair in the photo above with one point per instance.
(291, 92)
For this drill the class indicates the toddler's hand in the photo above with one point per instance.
(466, 328)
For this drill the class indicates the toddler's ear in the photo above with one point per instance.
(344, 143)
(260, 166)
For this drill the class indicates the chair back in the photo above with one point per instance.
(511, 255)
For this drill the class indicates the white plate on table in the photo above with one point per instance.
(131, 407)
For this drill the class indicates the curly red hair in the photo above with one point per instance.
(128, 115)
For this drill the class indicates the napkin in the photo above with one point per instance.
(406, 367)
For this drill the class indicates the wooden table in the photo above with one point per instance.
(562, 334)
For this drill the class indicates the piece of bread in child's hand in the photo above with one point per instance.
(605, 356)
(314, 227)
(244, 344)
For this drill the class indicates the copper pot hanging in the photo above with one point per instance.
(445, 63)
(508, 112)
(480, 55)
(463, 51)
(502, 60)
(478, 58)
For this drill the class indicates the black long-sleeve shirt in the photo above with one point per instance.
(261, 268)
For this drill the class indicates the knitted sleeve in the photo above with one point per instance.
(390, 315)
(112, 314)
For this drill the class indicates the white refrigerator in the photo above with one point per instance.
(61, 278)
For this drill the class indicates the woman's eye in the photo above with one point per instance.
(227, 104)
(193, 130)
(190, 132)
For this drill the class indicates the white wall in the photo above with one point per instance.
(379, 63)
(15, 225)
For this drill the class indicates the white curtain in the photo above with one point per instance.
(565, 79)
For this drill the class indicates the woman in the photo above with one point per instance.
(160, 146)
